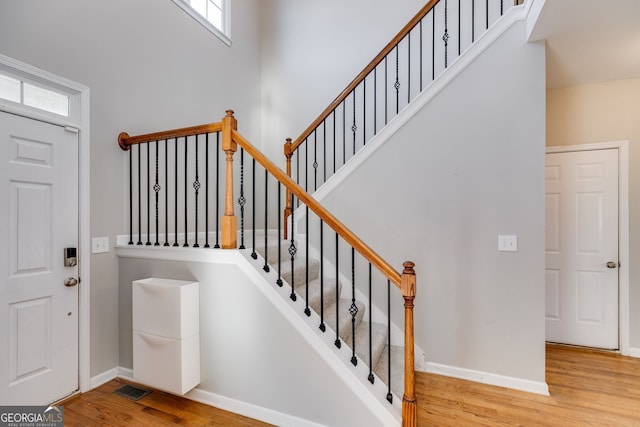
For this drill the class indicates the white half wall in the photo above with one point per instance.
(254, 361)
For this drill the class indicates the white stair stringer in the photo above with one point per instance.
(339, 359)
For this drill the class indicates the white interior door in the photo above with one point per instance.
(38, 219)
(582, 248)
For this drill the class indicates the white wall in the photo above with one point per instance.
(312, 50)
(465, 169)
(149, 68)
(250, 352)
(604, 112)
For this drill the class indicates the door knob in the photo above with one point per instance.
(70, 281)
(611, 264)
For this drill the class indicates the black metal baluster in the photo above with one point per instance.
(292, 252)
(306, 164)
(166, 192)
(156, 189)
(459, 29)
(334, 141)
(322, 326)
(148, 144)
(354, 128)
(364, 112)
(279, 281)
(445, 36)
(337, 342)
(254, 255)
(324, 150)
(315, 160)
(353, 308)
(130, 195)
(389, 395)
(420, 48)
(433, 44)
(175, 200)
(409, 67)
(386, 90)
(307, 311)
(186, 187)
(501, 7)
(139, 195)
(206, 193)
(196, 187)
(241, 200)
(473, 20)
(487, 14)
(217, 245)
(396, 85)
(344, 132)
(371, 378)
(375, 101)
(265, 267)
(297, 168)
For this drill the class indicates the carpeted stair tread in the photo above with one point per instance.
(272, 249)
(300, 271)
(397, 369)
(328, 290)
(344, 316)
(378, 341)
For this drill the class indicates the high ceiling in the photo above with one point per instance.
(589, 41)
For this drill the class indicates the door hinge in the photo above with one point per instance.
(71, 129)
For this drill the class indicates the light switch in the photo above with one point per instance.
(99, 245)
(507, 243)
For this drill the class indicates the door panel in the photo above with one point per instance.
(581, 238)
(39, 217)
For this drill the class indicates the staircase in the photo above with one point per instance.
(319, 278)
(328, 293)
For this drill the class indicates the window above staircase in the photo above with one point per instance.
(214, 15)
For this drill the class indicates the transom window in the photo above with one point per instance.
(31, 95)
(212, 14)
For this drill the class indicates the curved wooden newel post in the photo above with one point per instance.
(229, 220)
(288, 152)
(409, 402)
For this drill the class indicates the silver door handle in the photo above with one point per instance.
(612, 264)
(70, 281)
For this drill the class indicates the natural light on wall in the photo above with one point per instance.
(30, 95)
(212, 14)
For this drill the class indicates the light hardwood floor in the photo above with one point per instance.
(588, 388)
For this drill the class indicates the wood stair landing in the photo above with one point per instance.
(379, 332)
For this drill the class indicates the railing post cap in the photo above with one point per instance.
(121, 143)
(230, 113)
(408, 268)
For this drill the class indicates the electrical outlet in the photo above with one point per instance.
(508, 243)
(99, 245)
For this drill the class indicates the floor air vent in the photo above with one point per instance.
(131, 392)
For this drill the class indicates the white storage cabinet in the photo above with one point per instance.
(166, 334)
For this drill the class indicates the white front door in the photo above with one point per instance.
(582, 248)
(38, 219)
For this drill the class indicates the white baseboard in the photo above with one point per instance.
(103, 378)
(248, 410)
(488, 378)
(633, 352)
(220, 402)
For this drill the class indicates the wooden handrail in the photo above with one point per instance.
(349, 237)
(364, 73)
(405, 282)
(125, 141)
